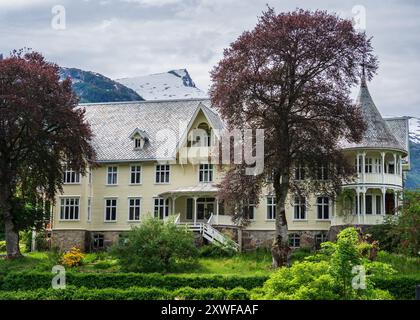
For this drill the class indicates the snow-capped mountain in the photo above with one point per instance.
(174, 84)
(414, 130)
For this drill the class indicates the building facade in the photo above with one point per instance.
(153, 160)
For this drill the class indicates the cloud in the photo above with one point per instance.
(121, 38)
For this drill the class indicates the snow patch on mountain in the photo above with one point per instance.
(414, 130)
(174, 84)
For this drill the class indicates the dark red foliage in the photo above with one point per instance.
(40, 128)
(291, 76)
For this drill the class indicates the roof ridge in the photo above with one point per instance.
(142, 101)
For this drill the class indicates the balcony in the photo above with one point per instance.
(369, 219)
(379, 178)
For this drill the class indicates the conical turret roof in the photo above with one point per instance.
(377, 134)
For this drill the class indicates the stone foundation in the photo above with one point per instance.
(64, 240)
(253, 239)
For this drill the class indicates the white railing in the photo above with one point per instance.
(354, 219)
(210, 233)
(222, 220)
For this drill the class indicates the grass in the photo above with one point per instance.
(401, 263)
(248, 263)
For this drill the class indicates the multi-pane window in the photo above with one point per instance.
(161, 208)
(320, 238)
(294, 240)
(271, 208)
(110, 209)
(112, 177)
(378, 204)
(134, 209)
(249, 211)
(378, 165)
(358, 164)
(323, 207)
(135, 174)
(69, 208)
(368, 165)
(89, 210)
(71, 176)
(98, 241)
(369, 209)
(162, 173)
(299, 173)
(206, 173)
(299, 208)
(322, 173)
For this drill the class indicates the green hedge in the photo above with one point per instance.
(134, 293)
(35, 280)
(401, 287)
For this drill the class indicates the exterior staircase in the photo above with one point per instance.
(208, 232)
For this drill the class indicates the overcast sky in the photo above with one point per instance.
(123, 38)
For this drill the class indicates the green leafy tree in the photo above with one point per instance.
(328, 274)
(156, 246)
(401, 234)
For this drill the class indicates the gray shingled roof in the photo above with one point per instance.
(399, 128)
(113, 123)
(377, 134)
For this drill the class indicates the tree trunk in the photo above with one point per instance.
(280, 249)
(12, 235)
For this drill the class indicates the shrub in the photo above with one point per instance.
(35, 280)
(329, 274)
(72, 258)
(133, 293)
(2, 246)
(156, 246)
(402, 287)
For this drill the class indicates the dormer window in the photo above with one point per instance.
(138, 143)
(139, 138)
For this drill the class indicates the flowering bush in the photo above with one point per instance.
(72, 258)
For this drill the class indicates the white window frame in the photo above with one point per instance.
(322, 173)
(108, 173)
(134, 206)
(293, 238)
(135, 172)
(89, 209)
(323, 236)
(63, 205)
(368, 165)
(159, 170)
(377, 165)
(271, 203)
(160, 206)
(72, 174)
(203, 169)
(298, 206)
(112, 206)
(322, 206)
(300, 173)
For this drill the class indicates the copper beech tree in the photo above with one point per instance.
(40, 129)
(291, 76)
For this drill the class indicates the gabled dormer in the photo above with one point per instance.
(139, 138)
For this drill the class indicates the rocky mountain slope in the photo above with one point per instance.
(94, 87)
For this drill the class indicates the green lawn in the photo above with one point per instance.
(249, 263)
